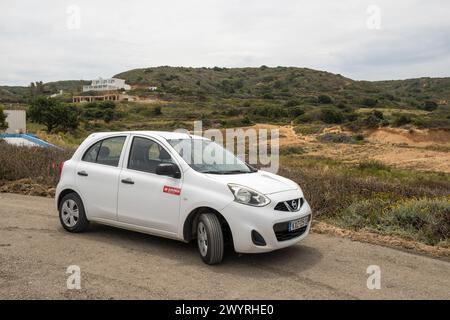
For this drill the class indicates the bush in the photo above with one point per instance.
(331, 116)
(429, 105)
(335, 138)
(426, 220)
(291, 103)
(378, 114)
(401, 120)
(292, 150)
(3, 124)
(157, 111)
(35, 163)
(369, 102)
(371, 121)
(105, 110)
(324, 99)
(372, 165)
(295, 112)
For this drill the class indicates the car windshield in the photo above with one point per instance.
(207, 156)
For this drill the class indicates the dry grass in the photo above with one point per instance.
(34, 163)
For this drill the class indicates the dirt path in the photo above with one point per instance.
(35, 252)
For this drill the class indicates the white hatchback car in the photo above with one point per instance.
(143, 181)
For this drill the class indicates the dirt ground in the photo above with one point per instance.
(424, 150)
(35, 253)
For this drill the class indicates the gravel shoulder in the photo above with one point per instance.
(116, 264)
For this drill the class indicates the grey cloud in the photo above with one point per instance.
(324, 34)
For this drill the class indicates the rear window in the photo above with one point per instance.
(105, 152)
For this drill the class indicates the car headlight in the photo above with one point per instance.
(248, 196)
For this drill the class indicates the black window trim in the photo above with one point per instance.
(158, 143)
(101, 142)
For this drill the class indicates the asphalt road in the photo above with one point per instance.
(35, 252)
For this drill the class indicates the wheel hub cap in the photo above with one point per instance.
(202, 239)
(70, 213)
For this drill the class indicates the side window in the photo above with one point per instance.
(145, 155)
(106, 151)
(91, 154)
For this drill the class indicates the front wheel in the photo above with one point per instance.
(210, 238)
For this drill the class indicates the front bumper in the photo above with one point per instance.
(242, 219)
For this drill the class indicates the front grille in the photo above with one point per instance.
(290, 205)
(282, 232)
(281, 206)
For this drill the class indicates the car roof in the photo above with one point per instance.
(168, 135)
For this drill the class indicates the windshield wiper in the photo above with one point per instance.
(236, 171)
(225, 172)
(213, 172)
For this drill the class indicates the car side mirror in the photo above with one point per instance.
(168, 169)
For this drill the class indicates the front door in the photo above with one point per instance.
(145, 198)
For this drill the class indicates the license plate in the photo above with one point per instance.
(299, 223)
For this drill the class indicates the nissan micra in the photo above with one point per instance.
(160, 183)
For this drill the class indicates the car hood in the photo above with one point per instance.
(261, 181)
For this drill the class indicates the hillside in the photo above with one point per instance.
(20, 94)
(287, 83)
(298, 85)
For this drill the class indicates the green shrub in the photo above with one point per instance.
(324, 99)
(292, 150)
(401, 120)
(295, 112)
(335, 138)
(369, 102)
(426, 220)
(308, 129)
(291, 103)
(429, 105)
(372, 165)
(3, 124)
(330, 116)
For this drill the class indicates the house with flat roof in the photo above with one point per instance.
(110, 84)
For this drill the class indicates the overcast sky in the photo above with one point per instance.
(371, 40)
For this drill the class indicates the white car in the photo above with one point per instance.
(143, 181)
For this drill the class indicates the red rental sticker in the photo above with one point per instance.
(172, 190)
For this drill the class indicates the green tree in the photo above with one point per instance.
(3, 124)
(53, 114)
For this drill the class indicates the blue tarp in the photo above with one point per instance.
(30, 137)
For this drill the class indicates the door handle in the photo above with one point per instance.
(127, 181)
(82, 173)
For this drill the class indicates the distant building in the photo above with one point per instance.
(106, 97)
(152, 88)
(16, 120)
(60, 93)
(106, 85)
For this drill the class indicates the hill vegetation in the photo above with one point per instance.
(240, 96)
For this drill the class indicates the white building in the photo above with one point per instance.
(16, 120)
(106, 85)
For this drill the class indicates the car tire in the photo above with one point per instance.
(72, 214)
(210, 238)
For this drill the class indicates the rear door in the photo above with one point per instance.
(98, 177)
(145, 198)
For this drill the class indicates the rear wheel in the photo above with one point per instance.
(72, 214)
(210, 238)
